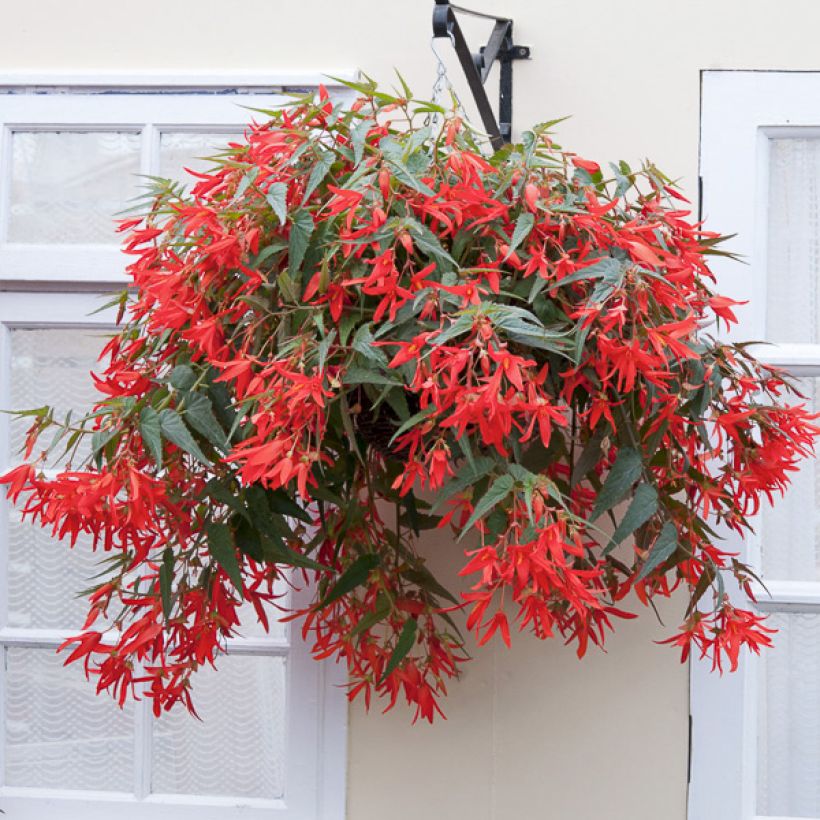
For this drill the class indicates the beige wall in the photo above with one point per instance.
(532, 733)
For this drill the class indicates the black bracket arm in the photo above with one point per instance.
(477, 66)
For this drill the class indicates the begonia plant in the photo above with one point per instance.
(358, 326)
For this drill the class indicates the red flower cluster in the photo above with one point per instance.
(347, 313)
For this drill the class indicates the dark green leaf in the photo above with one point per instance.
(498, 491)
(219, 492)
(423, 578)
(358, 138)
(150, 432)
(182, 377)
(607, 268)
(200, 415)
(407, 637)
(166, 573)
(624, 473)
(644, 505)
(318, 173)
(467, 476)
(379, 613)
(223, 551)
(324, 348)
(523, 226)
(589, 457)
(280, 502)
(277, 199)
(665, 544)
(363, 343)
(363, 375)
(300, 232)
(413, 421)
(355, 575)
(174, 429)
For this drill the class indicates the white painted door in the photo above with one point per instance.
(756, 734)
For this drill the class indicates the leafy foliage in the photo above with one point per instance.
(353, 310)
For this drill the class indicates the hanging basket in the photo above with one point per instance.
(353, 313)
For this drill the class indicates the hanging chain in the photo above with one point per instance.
(441, 84)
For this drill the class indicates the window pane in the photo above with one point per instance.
(51, 366)
(793, 309)
(180, 150)
(790, 531)
(789, 719)
(59, 733)
(238, 747)
(67, 187)
(45, 577)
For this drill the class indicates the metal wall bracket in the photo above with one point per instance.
(477, 65)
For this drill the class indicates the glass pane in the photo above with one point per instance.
(179, 150)
(238, 747)
(51, 366)
(45, 577)
(793, 304)
(789, 719)
(59, 733)
(67, 187)
(790, 531)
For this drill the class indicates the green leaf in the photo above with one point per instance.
(166, 573)
(358, 138)
(425, 579)
(644, 505)
(324, 348)
(222, 550)
(590, 456)
(665, 544)
(363, 343)
(466, 477)
(100, 439)
(497, 492)
(277, 198)
(407, 637)
(413, 421)
(280, 502)
(287, 286)
(318, 173)
(363, 375)
(301, 229)
(428, 241)
(523, 226)
(219, 492)
(355, 575)
(624, 473)
(379, 613)
(247, 180)
(174, 429)
(182, 377)
(200, 415)
(151, 434)
(607, 268)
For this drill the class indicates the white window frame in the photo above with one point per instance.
(741, 111)
(38, 294)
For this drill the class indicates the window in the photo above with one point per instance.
(271, 743)
(756, 735)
